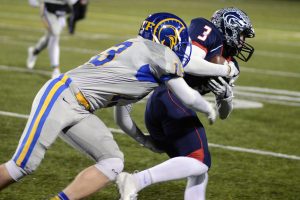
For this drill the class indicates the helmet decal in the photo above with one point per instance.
(233, 20)
(148, 25)
(169, 30)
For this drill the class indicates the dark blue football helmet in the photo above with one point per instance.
(169, 30)
(235, 24)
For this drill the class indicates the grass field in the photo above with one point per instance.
(270, 79)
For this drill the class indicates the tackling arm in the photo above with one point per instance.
(218, 66)
(191, 98)
(123, 119)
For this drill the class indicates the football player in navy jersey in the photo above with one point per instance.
(176, 129)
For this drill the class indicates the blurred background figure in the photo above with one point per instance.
(53, 13)
(79, 11)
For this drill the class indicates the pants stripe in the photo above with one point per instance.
(55, 88)
(50, 86)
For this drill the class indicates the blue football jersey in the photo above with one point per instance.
(206, 36)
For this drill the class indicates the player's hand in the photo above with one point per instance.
(222, 90)
(232, 69)
(149, 144)
(34, 3)
(212, 115)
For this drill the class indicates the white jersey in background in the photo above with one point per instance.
(53, 13)
(36, 3)
(61, 2)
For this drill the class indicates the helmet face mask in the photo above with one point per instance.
(169, 30)
(235, 24)
(245, 51)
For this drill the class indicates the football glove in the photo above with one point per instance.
(212, 115)
(233, 71)
(221, 89)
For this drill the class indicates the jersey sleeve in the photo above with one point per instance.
(165, 64)
(207, 37)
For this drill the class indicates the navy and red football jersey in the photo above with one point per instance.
(206, 36)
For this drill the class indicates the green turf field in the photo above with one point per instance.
(271, 79)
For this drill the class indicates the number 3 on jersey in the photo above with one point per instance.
(205, 33)
(109, 54)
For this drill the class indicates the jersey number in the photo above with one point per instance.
(109, 54)
(205, 33)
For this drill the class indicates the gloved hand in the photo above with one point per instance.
(149, 143)
(212, 115)
(232, 69)
(222, 90)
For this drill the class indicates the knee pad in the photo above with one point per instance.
(110, 167)
(14, 170)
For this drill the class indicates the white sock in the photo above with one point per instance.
(14, 171)
(143, 178)
(172, 169)
(196, 187)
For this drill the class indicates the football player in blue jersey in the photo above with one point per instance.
(176, 129)
(123, 74)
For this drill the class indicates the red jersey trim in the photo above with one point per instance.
(200, 46)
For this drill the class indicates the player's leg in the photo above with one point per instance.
(179, 132)
(172, 169)
(33, 51)
(55, 25)
(92, 137)
(193, 143)
(178, 167)
(5, 178)
(196, 187)
(43, 126)
(42, 43)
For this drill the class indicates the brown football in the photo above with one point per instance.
(218, 60)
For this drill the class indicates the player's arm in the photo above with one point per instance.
(215, 67)
(169, 70)
(191, 98)
(123, 119)
(125, 122)
(218, 66)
